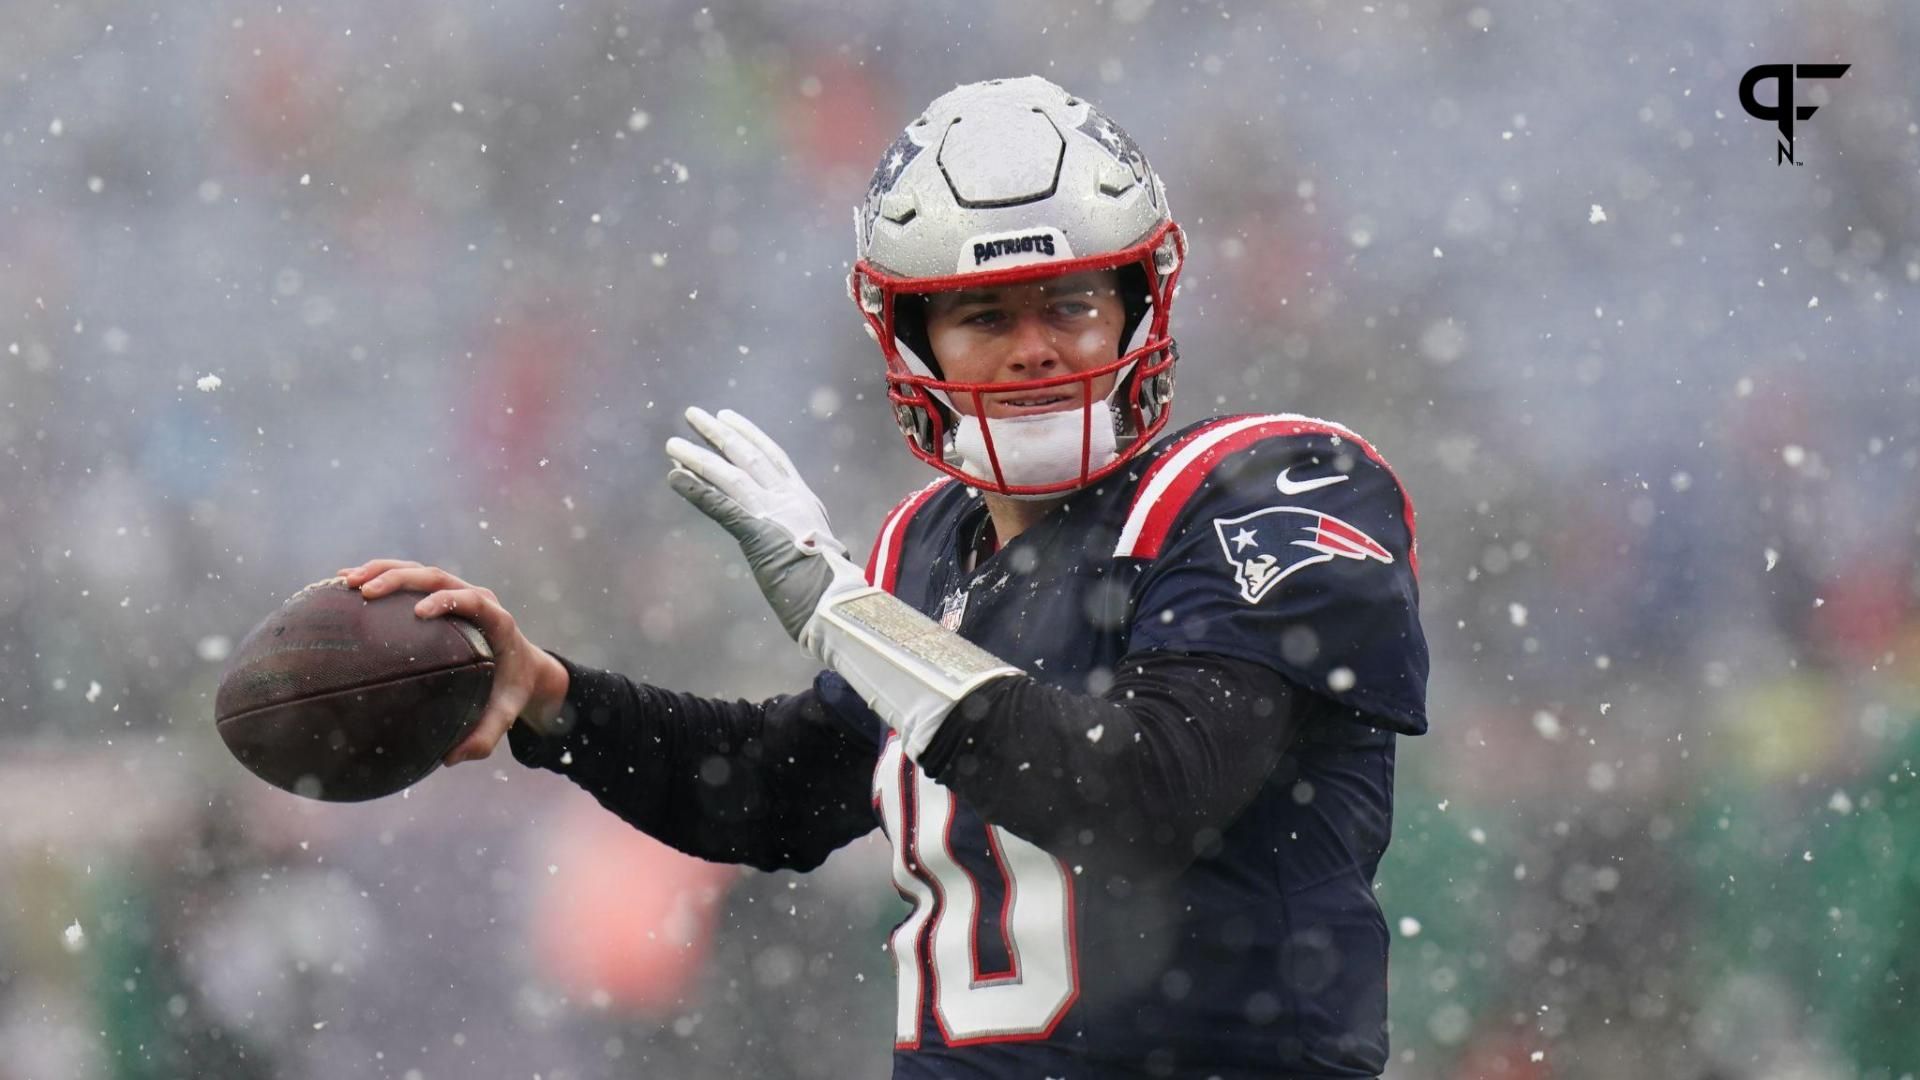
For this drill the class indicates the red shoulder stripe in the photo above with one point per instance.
(1175, 475)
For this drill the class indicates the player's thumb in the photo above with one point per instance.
(502, 708)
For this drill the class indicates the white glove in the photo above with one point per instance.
(753, 490)
(910, 669)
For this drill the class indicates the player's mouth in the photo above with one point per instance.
(1041, 401)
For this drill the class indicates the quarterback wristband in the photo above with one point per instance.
(909, 669)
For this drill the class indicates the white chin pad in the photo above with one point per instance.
(1034, 450)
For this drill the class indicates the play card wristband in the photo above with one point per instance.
(908, 668)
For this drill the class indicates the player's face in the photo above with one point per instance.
(1027, 331)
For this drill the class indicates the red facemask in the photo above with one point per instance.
(1136, 410)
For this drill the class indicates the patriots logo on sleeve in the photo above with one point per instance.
(1229, 525)
(1268, 546)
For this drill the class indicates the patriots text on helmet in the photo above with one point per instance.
(988, 250)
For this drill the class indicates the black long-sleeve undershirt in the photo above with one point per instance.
(1141, 779)
(1138, 778)
(777, 784)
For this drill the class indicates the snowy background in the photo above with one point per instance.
(284, 287)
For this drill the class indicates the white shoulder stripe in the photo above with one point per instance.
(892, 531)
(1184, 459)
(884, 557)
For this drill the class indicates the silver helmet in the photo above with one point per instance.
(1006, 181)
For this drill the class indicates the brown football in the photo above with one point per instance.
(339, 698)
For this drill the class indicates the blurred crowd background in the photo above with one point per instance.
(286, 287)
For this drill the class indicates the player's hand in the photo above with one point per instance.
(750, 486)
(527, 683)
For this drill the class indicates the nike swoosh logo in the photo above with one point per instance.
(1301, 487)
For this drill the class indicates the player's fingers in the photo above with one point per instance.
(485, 735)
(375, 571)
(504, 706)
(467, 602)
(713, 468)
(368, 567)
(414, 578)
(357, 575)
(735, 446)
(710, 501)
(760, 439)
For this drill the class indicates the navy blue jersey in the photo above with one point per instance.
(1280, 540)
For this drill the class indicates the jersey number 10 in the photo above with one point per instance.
(938, 940)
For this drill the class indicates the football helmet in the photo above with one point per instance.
(1003, 182)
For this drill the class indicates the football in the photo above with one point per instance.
(343, 699)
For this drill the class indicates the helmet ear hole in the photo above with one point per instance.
(916, 422)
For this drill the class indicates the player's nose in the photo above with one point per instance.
(1034, 350)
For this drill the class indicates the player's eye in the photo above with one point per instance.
(985, 318)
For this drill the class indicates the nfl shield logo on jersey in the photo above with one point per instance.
(953, 609)
(1260, 546)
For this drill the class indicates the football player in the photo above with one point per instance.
(1125, 705)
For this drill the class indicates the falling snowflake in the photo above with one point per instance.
(208, 383)
(1595, 215)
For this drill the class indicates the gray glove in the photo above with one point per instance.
(910, 669)
(752, 489)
